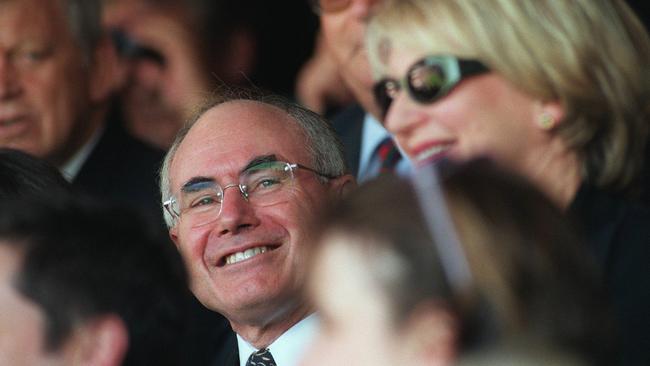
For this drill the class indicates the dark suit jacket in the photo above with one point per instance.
(618, 233)
(228, 353)
(123, 170)
(644, 181)
(348, 124)
(210, 340)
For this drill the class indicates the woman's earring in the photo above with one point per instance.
(546, 121)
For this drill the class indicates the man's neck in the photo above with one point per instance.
(262, 335)
(289, 348)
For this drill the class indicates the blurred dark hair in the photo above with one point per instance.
(531, 278)
(81, 261)
(25, 176)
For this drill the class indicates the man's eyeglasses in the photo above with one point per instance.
(427, 80)
(328, 6)
(264, 184)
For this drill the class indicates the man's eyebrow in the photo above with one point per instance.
(190, 185)
(259, 160)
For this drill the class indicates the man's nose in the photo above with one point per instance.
(147, 73)
(9, 79)
(236, 214)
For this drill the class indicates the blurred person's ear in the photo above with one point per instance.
(100, 341)
(106, 76)
(343, 185)
(429, 336)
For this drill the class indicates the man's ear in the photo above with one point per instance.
(173, 235)
(430, 335)
(343, 185)
(105, 77)
(103, 341)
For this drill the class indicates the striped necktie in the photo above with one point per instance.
(261, 358)
(388, 155)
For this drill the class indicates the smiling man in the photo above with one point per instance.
(240, 185)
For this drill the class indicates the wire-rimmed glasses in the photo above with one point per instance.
(267, 183)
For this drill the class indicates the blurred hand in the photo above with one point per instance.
(319, 85)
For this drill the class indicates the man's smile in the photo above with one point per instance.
(243, 255)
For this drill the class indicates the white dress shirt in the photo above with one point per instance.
(71, 168)
(289, 348)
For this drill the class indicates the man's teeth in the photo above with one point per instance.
(426, 154)
(248, 253)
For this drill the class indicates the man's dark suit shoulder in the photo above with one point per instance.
(123, 169)
(348, 124)
(227, 353)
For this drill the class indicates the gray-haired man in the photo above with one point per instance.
(241, 185)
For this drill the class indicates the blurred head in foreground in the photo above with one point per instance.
(495, 277)
(86, 285)
(23, 176)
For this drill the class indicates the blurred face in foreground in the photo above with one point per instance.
(22, 323)
(356, 324)
(359, 325)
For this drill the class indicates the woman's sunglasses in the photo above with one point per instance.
(428, 80)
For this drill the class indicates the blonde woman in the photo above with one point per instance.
(557, 91)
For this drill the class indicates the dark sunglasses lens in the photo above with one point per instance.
(425, 82)
(385, 91)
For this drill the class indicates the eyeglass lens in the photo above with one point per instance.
(423, 80)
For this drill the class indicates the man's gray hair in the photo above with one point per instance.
(321, 141)
(83, 18)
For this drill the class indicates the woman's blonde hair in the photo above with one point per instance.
(592, 56)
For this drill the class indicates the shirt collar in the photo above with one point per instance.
(373, 133)
(71, 168)
(289, 348)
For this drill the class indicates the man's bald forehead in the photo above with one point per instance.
(233, 111)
